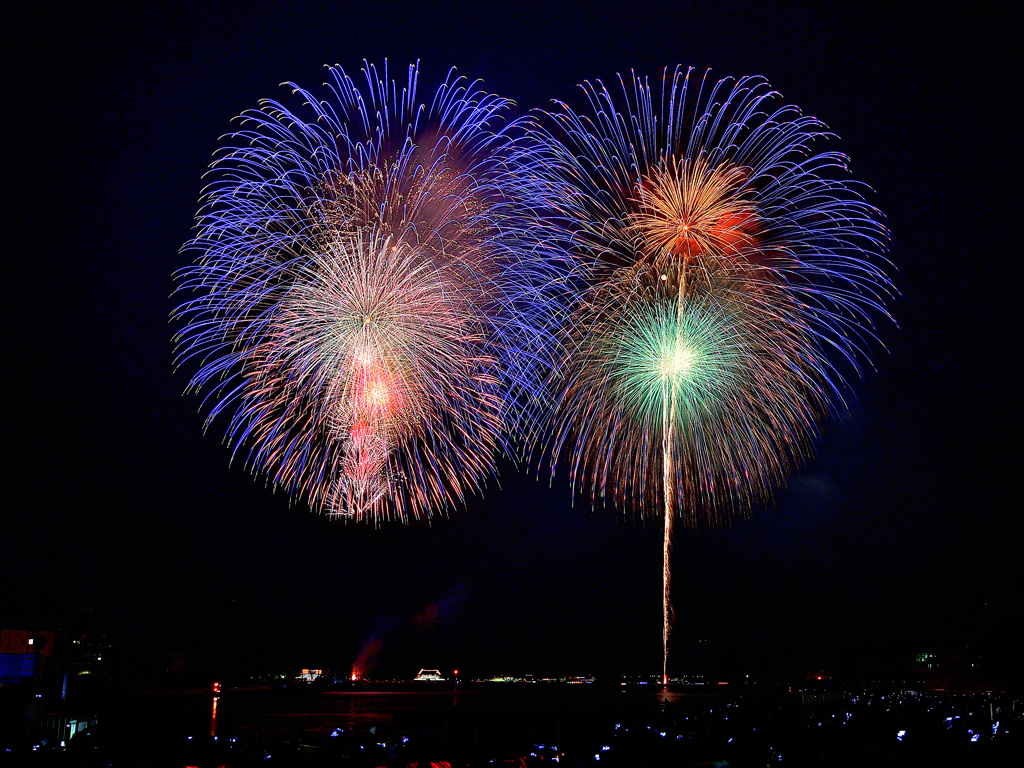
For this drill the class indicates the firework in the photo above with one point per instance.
(721, 274)
(351, 306)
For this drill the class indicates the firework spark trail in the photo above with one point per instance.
(356, 306)
(720, 273)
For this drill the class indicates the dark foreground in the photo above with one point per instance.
(522, 725)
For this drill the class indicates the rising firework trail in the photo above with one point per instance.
(722, 275)
(352, 310)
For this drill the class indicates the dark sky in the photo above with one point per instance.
(899, 535)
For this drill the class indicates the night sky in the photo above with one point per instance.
(900, 535)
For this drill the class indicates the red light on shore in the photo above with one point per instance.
(819, 677)
(216, 687)
(455, 672)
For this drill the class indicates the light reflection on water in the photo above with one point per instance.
(318, 712)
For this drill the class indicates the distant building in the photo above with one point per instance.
(946, 671)
(429, 675)
(24, 653)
